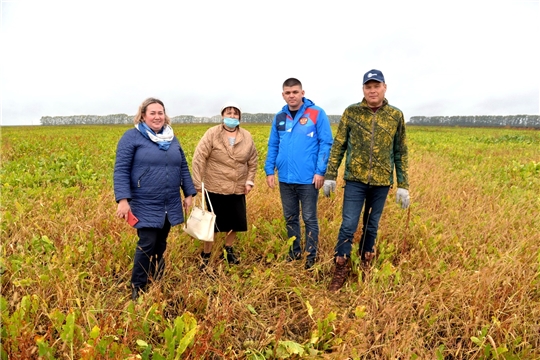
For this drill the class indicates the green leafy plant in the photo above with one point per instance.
(465, 254)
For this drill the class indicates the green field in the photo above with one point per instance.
(457, 276)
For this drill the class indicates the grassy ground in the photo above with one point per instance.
(457, 276)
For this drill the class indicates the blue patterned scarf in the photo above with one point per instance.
(163, 139)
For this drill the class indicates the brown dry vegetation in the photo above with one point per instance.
(457, 275)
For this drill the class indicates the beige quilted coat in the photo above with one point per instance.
(225, 169)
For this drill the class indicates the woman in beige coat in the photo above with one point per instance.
(226, 161)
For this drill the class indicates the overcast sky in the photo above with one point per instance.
(105, 57)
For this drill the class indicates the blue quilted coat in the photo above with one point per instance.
(151, 179)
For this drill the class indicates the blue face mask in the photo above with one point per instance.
(231, 123)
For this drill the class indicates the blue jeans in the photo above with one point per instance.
(355, 196)
(294, 197)
(149, 254)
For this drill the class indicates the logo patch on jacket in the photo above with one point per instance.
(281, 120)
(303, 121)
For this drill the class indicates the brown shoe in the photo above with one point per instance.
(367, 259)
(341, 272)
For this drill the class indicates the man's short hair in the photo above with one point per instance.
(292, 82)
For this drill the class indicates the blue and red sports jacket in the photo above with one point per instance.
(299, 148)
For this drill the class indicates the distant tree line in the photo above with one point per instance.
(86, 119)
(518, 121)
(128, 119)
(523, 121)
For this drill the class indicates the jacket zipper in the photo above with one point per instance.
(167, 176)
(140, 177)
(371, 148)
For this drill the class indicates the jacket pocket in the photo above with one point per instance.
(140, 177)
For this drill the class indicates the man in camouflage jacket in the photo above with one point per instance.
(371, 135)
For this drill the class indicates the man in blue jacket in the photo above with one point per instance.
(298, 147)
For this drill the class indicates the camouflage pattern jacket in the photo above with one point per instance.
(374, 143)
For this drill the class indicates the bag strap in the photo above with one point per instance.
(204, 193)
(202, 196)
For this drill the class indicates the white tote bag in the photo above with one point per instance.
(201, 222)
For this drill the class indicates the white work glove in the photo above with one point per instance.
(402, 196)
(328, 187)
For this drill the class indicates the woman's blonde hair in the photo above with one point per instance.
(142, 110)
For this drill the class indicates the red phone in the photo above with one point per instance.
(132, 219)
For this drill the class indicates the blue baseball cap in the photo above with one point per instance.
(373, 75)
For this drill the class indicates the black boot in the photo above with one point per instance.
(136, 292)
(231, 257)
(309, 264)
(205, 258)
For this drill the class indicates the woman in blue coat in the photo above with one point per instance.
(149, 172)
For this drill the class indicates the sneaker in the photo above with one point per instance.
(204, 258)
(231, 256)
(309, 264)
(341, 272)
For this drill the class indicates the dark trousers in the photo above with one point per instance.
(148, 259)
(293, 198)
(356, 196)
